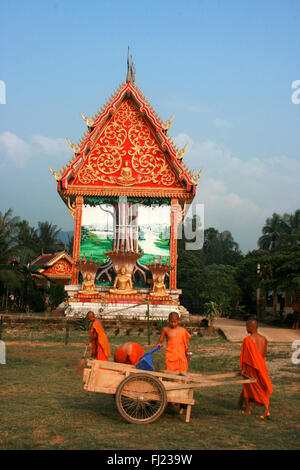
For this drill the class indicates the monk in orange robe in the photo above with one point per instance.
(98, 339)
(252, 362)
(177, 344)
(129, 353)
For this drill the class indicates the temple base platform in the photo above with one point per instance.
(123, 298)
(88, 298)
(130, 306)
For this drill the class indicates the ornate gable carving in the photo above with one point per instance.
(62, 267)
(126, 154)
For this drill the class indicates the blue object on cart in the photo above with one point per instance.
(145, 362)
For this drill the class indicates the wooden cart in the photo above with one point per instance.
(142, 396)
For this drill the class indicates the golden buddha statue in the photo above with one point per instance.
(122, 284)
(88, 286)
(159, 288)
(126, 175)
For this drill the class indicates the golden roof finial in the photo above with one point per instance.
(130, 77)
(132, 72)
(180, 154)
(88, 121)
(197, 177)
(128, 68)
(55, 174)
(75, 148)
(167, 124)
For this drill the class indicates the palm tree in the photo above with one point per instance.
(7, 234)
(274, 232)
(294, 221)
(27, 241)
(220, 247)
(25, 283)
(280, 231)
(70, 244)
(48, 240)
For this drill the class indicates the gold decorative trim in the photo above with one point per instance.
(75, 148)
(89, 122)
(167, 124)
(55, 174)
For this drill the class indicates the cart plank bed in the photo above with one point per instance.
(142, 396)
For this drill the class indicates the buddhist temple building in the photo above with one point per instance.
(56, 266)
(126, 188)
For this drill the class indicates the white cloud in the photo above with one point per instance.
(14, 150)
(239, 195)
(19, 152)
(53, 147)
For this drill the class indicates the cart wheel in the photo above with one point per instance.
(141, 398)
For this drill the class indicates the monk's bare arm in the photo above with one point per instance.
(265, 349)
(162, 337)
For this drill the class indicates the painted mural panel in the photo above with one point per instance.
(96, 231)
(154, 233)
(97, 234)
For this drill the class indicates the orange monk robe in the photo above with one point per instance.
(176, 351)
(255, 367)
(136, 353)
(99, 342)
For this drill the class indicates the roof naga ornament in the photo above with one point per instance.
(167, 124)
(88, 121)
(75, 148)
(180, 154)
(55, 174)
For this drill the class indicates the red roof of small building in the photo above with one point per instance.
(54, 265)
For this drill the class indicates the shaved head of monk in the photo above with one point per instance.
(173, 319)
(90, 316)
(173, 315)
(251, 325)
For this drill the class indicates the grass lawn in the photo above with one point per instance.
(43, 405)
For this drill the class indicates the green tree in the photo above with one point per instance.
(48, 238)
(211, 311)
(8, 224)
(26, 242)
(25, 284)
(219, 285)
(70, 243)
(220, 248)
(292, 223)
(280, 231)
(189, 276)
(272, 232)
(281, 270)
(248, 278)
(56, 294)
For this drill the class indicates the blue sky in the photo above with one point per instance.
(225, 68)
